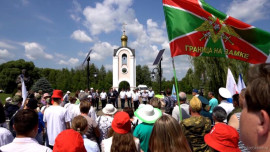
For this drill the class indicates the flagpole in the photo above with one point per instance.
(176, 87)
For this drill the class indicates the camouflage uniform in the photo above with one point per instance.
(194, 129)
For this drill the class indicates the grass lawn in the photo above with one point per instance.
(3, 97)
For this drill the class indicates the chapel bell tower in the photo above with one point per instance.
(124, 64)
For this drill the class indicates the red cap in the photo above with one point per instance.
(223, 138)
(57, 94)
(69, 141)
(121, 123)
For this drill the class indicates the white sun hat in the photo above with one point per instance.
(109, 109)
(225, 93)
(148, 114)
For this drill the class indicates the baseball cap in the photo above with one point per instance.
(121, 123)
(223, 138)
(195, 90)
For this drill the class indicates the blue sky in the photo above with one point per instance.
(59, 33)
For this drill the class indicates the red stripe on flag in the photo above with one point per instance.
(184, 45)
(236, 23)
(242, 50)
(190, 5)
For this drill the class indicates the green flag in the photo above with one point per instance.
(197, 29)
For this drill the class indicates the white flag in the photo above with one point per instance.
(241, 84)
(24, 92)
(231, 84)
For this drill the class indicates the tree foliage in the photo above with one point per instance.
(64, 79)
(42, 84)
(9, 72)
(210, 73)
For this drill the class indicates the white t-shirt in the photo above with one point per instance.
(6, 136)
(184, 109)
(24, 144)
(135, 96)
(228, 107)
(103, 95)
(122, 95)
(70, 109)
(151, 93)
(56, 118)
(129, 94)
(144, 96)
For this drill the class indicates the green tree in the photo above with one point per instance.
(210, 73)
(42, 84)
(9, 72)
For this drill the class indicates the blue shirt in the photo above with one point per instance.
(213, 103)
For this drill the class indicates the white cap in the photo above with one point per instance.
(225, 93)
(68, 91)
(8, 99)
(89, 96)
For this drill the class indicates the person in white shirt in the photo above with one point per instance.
(129, 97)
(66, 97)
(224, 94)
(103, 97)
(151, 94)
(123, 98)
(184, 108)
(6, 136)
(56, 118)
(26, 128)
(144, 97)
(70, 108)
(135, 99)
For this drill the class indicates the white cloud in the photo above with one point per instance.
(5, 54)
(249, 10)
(6, 45)
(76, 11)
(44, 18)
(81, 36)
(71, 61)
(102, 50)
(60, 56)
(107, 16)
(147, 39)
(35, 51)
(156, 34)
(108, 67)
(82, 54)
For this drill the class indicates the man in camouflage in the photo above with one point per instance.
(196, 126)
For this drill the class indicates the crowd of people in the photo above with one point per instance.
(63, 123)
